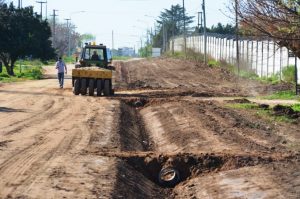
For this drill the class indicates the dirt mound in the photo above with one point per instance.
(280, 110)
(168, 73)
(191, 165)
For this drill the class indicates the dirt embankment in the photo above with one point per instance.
(56, 145)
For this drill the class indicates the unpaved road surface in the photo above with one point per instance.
(56, 145)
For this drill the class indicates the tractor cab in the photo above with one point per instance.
(94, 55)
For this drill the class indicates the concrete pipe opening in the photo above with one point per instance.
(169, 177)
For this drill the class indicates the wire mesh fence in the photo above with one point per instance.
(263, 57)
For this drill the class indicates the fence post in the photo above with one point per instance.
(274, 58)
(268, 54)
(262, 58)
(288, 59)
(215, 46)
(247, 54)
(226, 49)
(252, 54)
(256, 54)
(233, 52)
(280, 69)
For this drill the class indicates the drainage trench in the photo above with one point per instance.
(144, 173)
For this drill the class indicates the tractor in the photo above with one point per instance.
(93, 72)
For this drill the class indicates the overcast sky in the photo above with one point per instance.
(126, 17)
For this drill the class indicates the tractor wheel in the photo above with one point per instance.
(106, 87)
(76, 86)
(91, 87)
(83, 89)
(99, 87)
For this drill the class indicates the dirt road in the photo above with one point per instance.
(56, 145)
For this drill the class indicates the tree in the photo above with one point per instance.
(277, 19)
(23, 33)
(173, 22)
(222, 29)
(62, 38)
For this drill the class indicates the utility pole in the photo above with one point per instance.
(184, 31)
(41, 2)
(20, 4)
(205, 35)
(69, 47)
(54, 27)
(141, 54)
(199, 21)
(237, 37)
(164, 37)
(112, 42)
(46, 9)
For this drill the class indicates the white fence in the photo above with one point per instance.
(263, 57)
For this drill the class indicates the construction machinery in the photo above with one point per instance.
(93, 72)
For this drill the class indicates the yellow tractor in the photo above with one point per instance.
(92, 73)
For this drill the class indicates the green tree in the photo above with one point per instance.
(222, 29)
(23, 33)
(172, 21)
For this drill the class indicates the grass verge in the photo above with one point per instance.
(283, 95)
(267, 113)
(123, 58)
(24, 70)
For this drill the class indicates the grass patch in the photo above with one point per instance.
(283, 95)
(243, 106)
(24, 70)
(296, 107)
(123, 58)
(190, 55)
(264, 113)
(69, 60)
(288, 74)
(213, 63)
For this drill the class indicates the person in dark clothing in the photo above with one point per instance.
(95, 56)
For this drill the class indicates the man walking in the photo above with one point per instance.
(61, 69)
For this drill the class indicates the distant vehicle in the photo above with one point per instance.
(93, 72)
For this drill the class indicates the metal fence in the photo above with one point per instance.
(264, 57)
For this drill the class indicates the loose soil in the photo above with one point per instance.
(166, 113)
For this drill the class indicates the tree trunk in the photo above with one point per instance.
(9, 69)
(12, 73)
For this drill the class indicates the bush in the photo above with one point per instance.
(4, 75)
(213, 63)
(288, 74)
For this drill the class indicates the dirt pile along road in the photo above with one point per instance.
(56, 145)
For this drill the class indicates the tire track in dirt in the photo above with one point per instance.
(41, 151)
(27, 168)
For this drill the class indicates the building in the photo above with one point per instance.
(126, 52)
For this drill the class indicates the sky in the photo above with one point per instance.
(128, 19)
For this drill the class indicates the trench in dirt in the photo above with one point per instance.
(139, 165)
